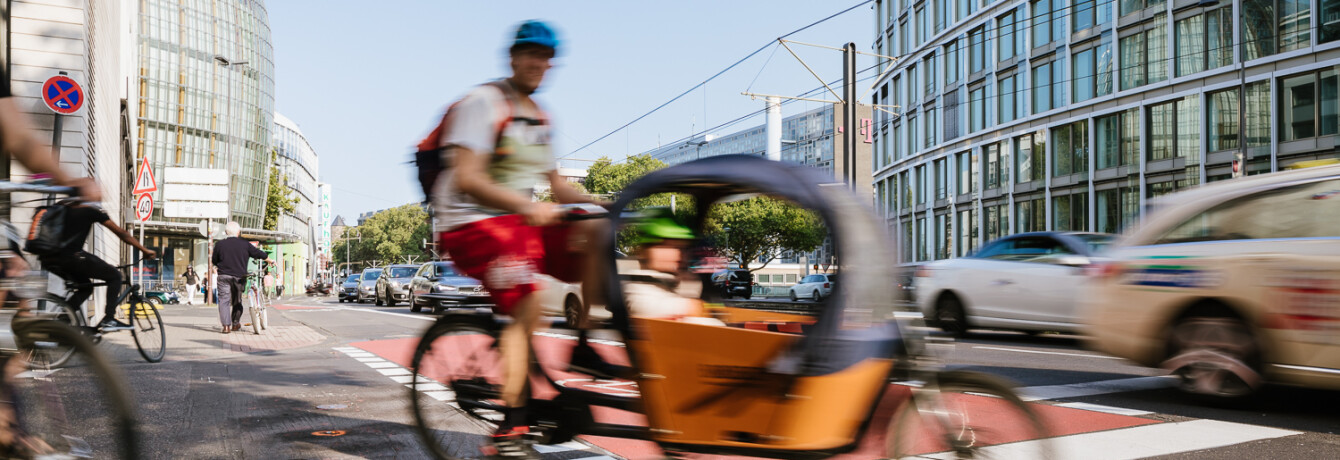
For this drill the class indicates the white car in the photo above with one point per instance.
(1025, 282)
(814, 287)
(1229, 286)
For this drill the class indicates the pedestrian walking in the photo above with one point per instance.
(231, 255)
(192, 280)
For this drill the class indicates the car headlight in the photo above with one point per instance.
(445, 288)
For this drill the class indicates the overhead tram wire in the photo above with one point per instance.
(713, 77)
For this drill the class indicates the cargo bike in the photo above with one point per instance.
(859, 378)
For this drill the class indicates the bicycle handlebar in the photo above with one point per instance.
(583, 211)
(9, 187)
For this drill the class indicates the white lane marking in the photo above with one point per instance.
(1076, 390)
(1082, 355)
(1105, 409)
(440, 392)
(1141, 441)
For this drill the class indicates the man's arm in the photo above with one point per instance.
(256, 253)
(471, 177)
(128, 239)
(35, 155)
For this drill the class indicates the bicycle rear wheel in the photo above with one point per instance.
(149, 333)
(83, 410)
(55, 308)
(973, 415)
(457, 373)
(255, 299)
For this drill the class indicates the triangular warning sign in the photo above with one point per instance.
(144, 180)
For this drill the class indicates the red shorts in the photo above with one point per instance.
(506, 254)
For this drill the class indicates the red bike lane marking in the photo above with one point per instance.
(552, 352)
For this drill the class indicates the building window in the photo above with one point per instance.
(1047, 22)
(1257, 112)
(977, 109)
(1330, 21)
(913, 95)
(1308, 105)
(941, 178)
(1144, 56)
(928, 75)
(1131, 6)
(906, 197)
(994, 170)
(1204, 42)
(951, 61)
(1118, 138)
(924, 25)
(1089, 14)
(940, 14)
(1031, 215)
(1048, 75)
(921, 240)
(967, 172)
(1223, 120)
(967, 231)
(1011, 98)
(932, 127)
(997, 221)
(965, 8)
(1174, 129)
(942, 237)
(1117, 208)
(1070, 148)
(1070, 213)
(1030, 152)
(977, 50)
(1276, 26)
(1093, 71)
(1010, 30)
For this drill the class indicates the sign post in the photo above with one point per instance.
(64, 97)
(144, 205)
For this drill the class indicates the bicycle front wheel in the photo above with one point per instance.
(457, 376)
(83, 410)
(972, 415)
(150, 336)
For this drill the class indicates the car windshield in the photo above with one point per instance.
(402, 272)
(352, 278)
(446, 270)
(369, 276)
(1095, 242)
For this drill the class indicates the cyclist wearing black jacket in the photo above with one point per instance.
(82, 267)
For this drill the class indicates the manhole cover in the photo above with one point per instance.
(332, 406)
(328, 433)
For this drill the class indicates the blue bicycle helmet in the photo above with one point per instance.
(534, 32)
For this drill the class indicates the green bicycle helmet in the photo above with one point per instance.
(659, 224)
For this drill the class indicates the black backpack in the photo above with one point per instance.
(46, 236)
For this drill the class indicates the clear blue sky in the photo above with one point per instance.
(365, 81)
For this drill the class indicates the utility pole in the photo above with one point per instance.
(849, 121)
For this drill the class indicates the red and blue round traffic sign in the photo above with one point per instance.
(62, 94)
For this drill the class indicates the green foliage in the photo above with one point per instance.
(387, 237)
(763, 228)
(279, 197)
(606, 180)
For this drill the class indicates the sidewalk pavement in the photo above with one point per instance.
(194, 333)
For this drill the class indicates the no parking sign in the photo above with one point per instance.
(62, 95)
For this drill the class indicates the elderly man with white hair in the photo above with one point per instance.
(231, 255)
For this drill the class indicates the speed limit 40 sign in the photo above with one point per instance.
(144, 207)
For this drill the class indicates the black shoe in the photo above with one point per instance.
(512, 445)
(585, 360)
(113, 324)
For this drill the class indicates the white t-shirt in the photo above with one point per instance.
(519, 159)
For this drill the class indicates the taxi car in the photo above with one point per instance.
(1229, 286)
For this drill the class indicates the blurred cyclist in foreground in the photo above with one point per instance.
(496, 141)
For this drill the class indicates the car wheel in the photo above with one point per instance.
(1215, 356)
(793, 295)
(748, 295)
(390, 301)
(572, 308)
(377, 299)
(414, 305)
(949, 316)
(816, 296)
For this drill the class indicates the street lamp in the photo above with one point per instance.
(698, 151)
(228, 128)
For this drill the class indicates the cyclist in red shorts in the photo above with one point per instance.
(497, 140)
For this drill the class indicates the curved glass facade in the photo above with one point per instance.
(1032, 115)
(206, 94)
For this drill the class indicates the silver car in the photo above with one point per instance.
(393, 284)
(367, 285)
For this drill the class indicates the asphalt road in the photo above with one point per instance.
(328, 381)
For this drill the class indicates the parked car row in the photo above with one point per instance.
(439, 286)
(1227, 286)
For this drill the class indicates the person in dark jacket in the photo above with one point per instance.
(231, 255)
(192, 284)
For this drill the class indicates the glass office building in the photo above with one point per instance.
(206, 76)
(1070, 115)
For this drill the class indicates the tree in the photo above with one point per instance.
(387, 237)
(605, 179)
(279, 197)
(763, 229)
